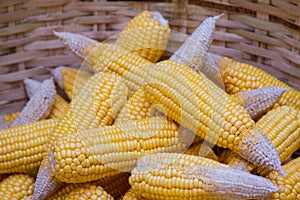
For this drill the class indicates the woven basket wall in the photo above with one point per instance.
(265, 33)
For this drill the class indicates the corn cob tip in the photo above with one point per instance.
(258, 149)
(31, 86)
(159, 18)
(56, 73)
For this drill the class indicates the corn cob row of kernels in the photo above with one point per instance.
(281, 125)
(17, 186)
(100, 152)
(39, 106)
(289, 186)
(151, 33)
(59, 107)
(238, 77)
(259, 101)
(22, 147)
(181, 176)
(196, 103)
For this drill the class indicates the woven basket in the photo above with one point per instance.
(265, 33)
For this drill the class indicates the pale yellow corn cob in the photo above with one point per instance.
(97, 103)
(239, 77)
(109, 57)
(282, 126)
(39, 106)
(137, 107)
(89, 191)
(107, 150)
(70, 79)
(199, 105)
(131, 195)
(17, 186)
(259, 101)
(180, 176)
(289, 186)
(22, 147)
(147, 34)
(59, 107)
(64, 191)
(202, 149)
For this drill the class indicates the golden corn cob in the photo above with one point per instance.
(131, 195)
(89, 191)
(39, 106)
(282, 126)
(181, 176)
(238, 77)
(96, 104)
(59, 107)
(70, 79)
(137, 107)
(17, 186)
(147, 34)
(108, 150)
(259, 101)
(199, 105)
(289, 186)
(22, 147)
(109, 57)
(202, 149)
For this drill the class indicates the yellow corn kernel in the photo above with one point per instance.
(96, 153)
(259, 101)
(180, 176)
(59, 107)
(22, 147)
(131, 195)
(96, 104)
(289, 186)
(202, 149)
(11, 116)
(39, 106)
(238, 77)
(199, 105)
(17, 186)
(147, 34)
(282, 126)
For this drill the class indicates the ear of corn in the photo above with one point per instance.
(289, 186)
(259, 101)
(31, 86)
(199, 105)
(202, 149)
(59, 107)
(131, 195)
(112, 58)
(181, 176)
(147, 34)
(7, 119)
(108, 150)
(22, 147)
(17, 186)
(239, 77)
(97, 103)
(39, 106)
(281, 125)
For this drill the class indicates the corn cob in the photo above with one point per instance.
(31, 86)
(22, 147)
(109, 57)
(131, 195)
(17, 186)
(89, 191)
(199, 105)
(181, 176)
(107, 150)
(137, 107)
(239, 77)
(289, 186)
(259, 101)
(70, 79)
(147, 34)
(282, 126)
(202, 149)
(59, 107)
(39, 106)
(7, 119)
(97, 103)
